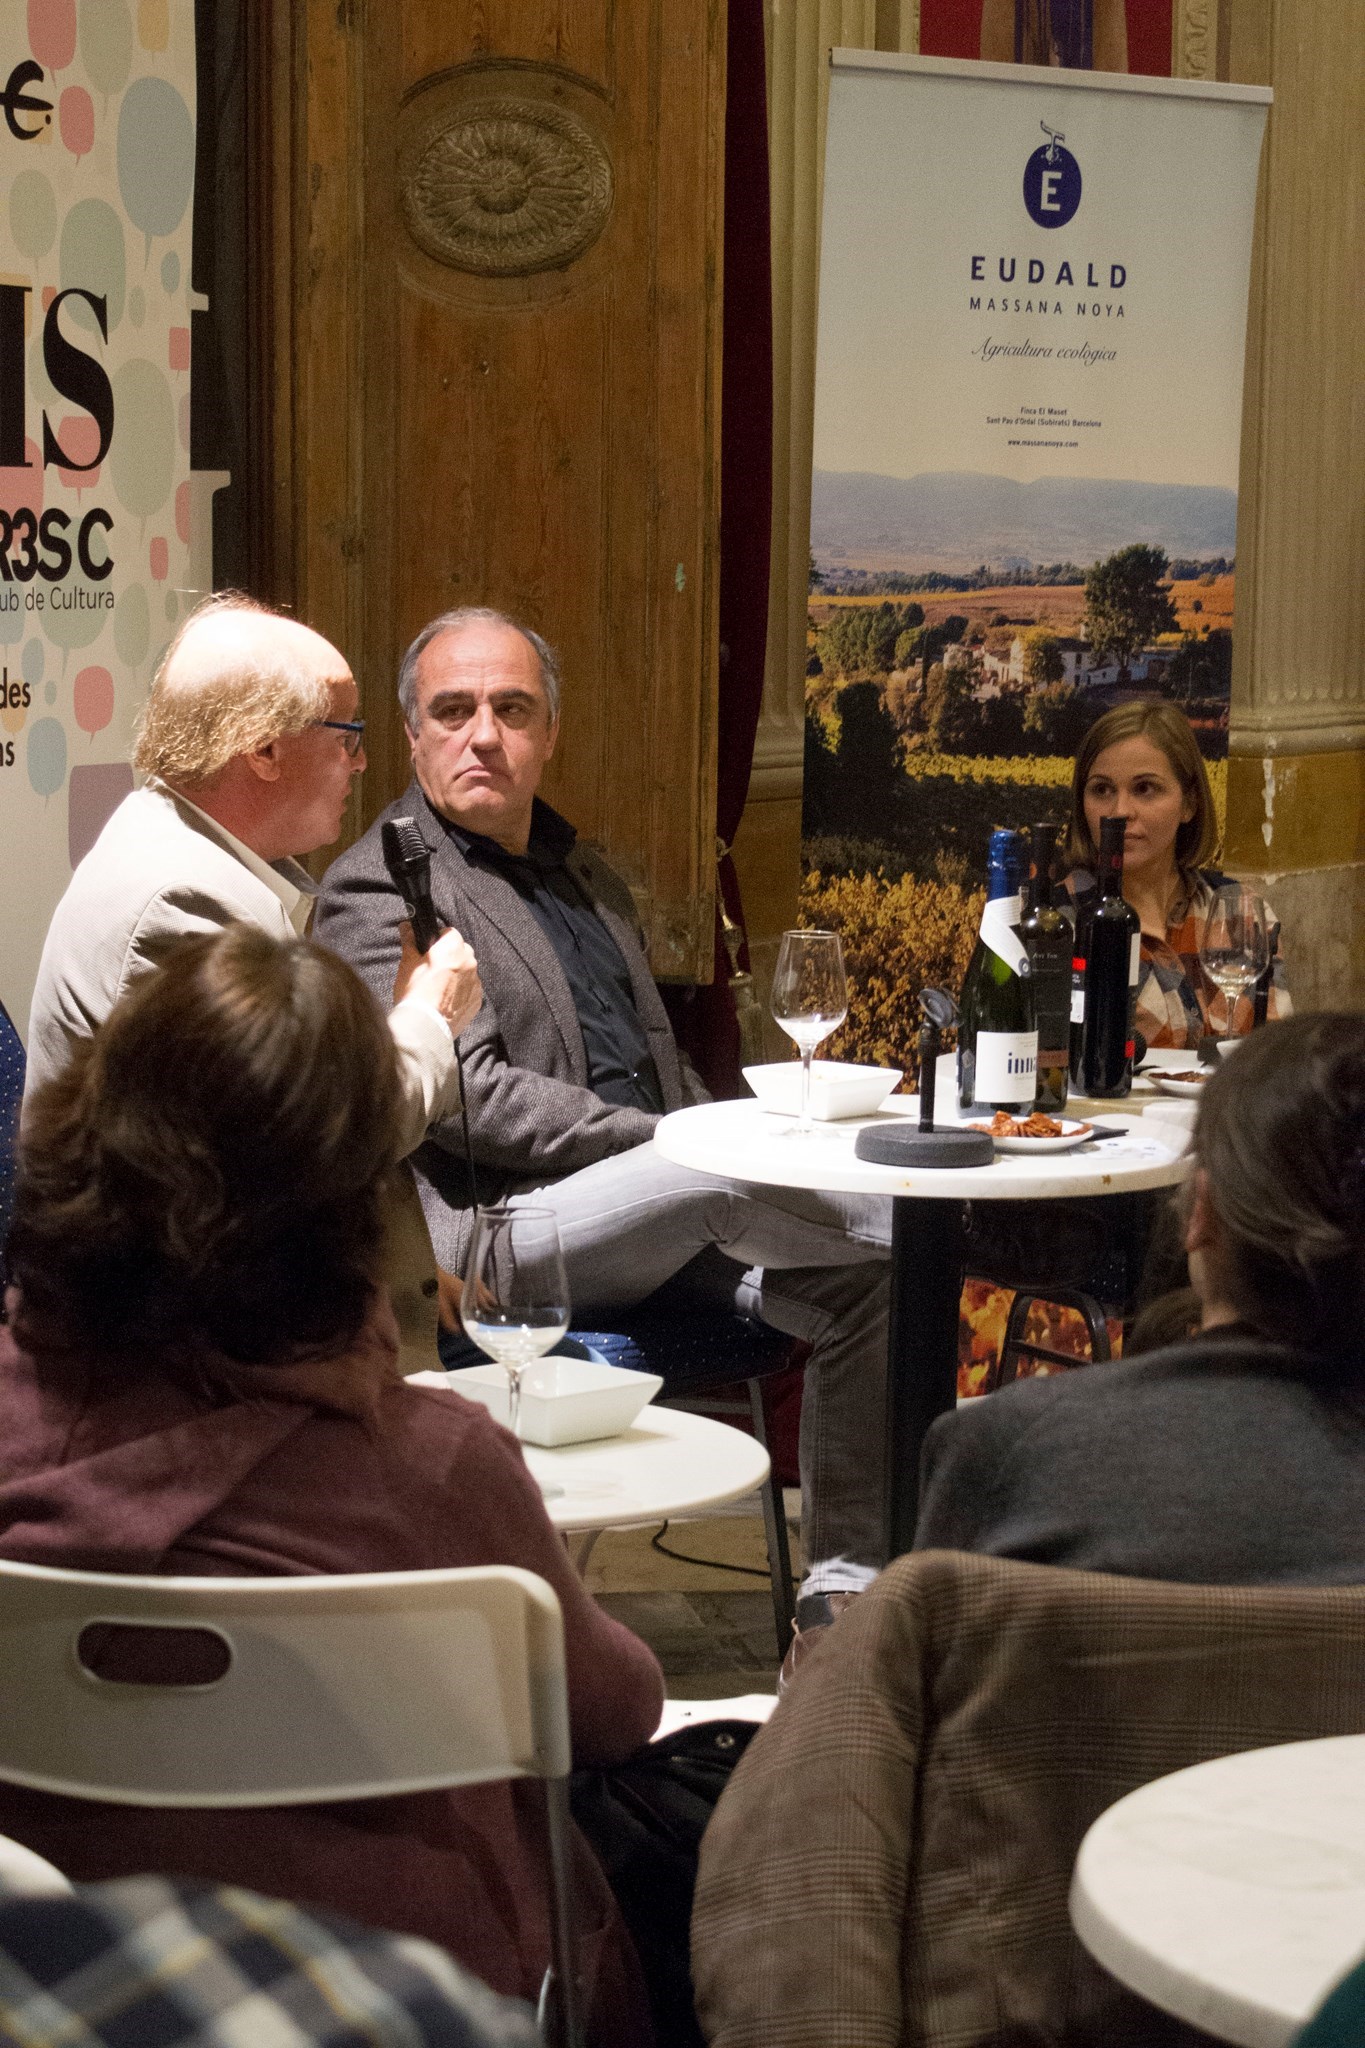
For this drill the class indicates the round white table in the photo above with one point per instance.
(1233, 1894)
(746, 1142)
(668, 1462)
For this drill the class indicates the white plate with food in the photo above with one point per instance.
(1181, 1080)
(1012, 1133)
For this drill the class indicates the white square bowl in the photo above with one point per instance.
(836, 1089)
(563, 1400)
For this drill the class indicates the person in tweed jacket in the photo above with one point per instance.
(571, 1062)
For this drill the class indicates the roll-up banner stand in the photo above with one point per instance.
(1033, 294)
(99, 523)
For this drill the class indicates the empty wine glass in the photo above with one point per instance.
(809, 999)
(1235, 948)
(515, 1304)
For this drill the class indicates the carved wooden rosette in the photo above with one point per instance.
(504, 187)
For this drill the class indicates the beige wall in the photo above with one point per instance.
(1297, 776)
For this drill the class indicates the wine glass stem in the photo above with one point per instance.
(803, 1122)
(514, 1373)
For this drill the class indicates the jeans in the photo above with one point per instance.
(814, 1266)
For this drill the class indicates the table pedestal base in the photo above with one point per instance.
(928, 1256)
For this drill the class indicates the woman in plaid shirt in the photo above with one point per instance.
(1141, 762)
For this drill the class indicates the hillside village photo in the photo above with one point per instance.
(944, 699)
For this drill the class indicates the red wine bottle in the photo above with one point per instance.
(1047, 940)
(1113, 946)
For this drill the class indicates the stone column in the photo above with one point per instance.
(1296, 782)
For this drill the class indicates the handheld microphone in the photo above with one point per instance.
(409, 866)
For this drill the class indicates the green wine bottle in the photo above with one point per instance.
(997, 1040)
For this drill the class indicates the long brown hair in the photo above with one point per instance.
(207, 1174)
(1281, 1137)
(1167, 727)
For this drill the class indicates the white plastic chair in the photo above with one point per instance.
(26, 1874)
(347, 1687)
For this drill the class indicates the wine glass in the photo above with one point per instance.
(515, 1304)
(809, 1000)
(1235, 948)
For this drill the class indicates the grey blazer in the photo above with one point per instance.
(532, 1116)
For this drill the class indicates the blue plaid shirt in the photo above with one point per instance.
(148, 1963)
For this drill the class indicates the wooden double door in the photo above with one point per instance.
(484, 261)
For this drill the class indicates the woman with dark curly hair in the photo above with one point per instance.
(200, 1375)
(1141, 762)
(1236, 1457)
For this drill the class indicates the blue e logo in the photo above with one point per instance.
(1052, 182)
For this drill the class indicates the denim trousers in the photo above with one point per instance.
(814, 1266)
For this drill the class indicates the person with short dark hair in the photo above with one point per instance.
(571, 1062)
(201, 1376)
(1237, 1457)
(1141, 762)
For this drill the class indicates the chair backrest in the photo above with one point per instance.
(25, 1874)
(892, 1859)
(334, 1688)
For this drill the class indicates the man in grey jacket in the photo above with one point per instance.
(571, 1062)
(250, 741)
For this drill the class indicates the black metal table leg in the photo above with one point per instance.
(928, 1256)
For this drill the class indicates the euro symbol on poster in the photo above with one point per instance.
(16, 100)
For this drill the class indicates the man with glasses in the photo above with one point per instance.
(249, 742)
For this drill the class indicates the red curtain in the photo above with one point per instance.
(704, 1018)
(952, 28)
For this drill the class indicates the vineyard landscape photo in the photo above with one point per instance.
(939, 705)
(1024, 477)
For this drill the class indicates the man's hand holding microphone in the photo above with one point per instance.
(445, 978)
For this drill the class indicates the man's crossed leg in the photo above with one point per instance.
(812, 1265)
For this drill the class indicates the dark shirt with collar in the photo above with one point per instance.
(620, 1066)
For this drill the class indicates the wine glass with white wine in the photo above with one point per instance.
(1235, 949)
(515, 1304)
(809, 1000)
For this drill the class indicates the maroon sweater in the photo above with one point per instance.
(102, 1475)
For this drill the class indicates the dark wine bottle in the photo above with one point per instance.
(1078, 942)
(1047, 941)
(1112, 953)
(997, 1040)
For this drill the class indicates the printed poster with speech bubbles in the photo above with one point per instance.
(97, 127)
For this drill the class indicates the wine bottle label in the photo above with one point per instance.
(1134, 959)
(1006, 1066)
(1078, 990)
(998, 920)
